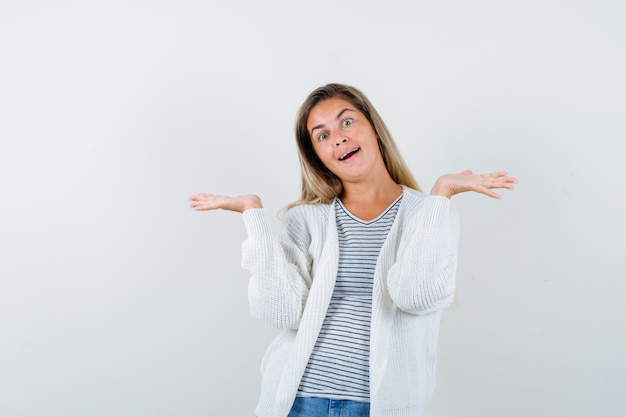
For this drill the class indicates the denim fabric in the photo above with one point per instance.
(322, 407)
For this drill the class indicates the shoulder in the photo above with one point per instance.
(306, 210)
(411, 197)
(309, 215)
(415, 202)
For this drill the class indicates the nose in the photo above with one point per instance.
(339, 138)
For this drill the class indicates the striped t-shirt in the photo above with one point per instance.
(338, 367)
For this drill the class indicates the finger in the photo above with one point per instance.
(496, 175)
(492, 194)
(199, 196)
(196, 205)
(499, 185)
(204, 207)
(504, 176)
(508, 183)
(200, 201)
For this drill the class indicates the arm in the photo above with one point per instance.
(423, 278)
(280, 267)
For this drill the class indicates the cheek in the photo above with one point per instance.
(326, 157)
(323, 152)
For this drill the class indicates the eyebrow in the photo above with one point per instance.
(321, 125)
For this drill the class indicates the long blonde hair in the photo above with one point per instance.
(319, 184)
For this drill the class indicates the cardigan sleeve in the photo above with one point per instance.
(279, 266)
(422, 279)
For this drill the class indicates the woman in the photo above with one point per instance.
(360, 273)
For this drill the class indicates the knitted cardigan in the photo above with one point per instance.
(293, 277)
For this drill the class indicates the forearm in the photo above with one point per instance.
(276, 290)
(423, 278)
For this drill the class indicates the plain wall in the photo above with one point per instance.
(116, 299)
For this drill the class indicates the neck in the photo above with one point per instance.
(379, 189)
(367, 200)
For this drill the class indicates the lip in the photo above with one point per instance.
(348, 153)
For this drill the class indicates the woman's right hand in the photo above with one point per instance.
(203, 201)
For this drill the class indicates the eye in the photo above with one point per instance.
(323, 136)
(347, 122)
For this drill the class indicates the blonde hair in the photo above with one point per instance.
(319, 184)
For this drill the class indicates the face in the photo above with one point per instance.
(344, 140)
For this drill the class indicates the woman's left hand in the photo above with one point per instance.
(451, 184)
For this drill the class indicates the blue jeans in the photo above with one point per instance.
(321, 407)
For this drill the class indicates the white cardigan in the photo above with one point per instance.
(293, 277)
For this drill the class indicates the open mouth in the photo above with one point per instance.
(349, 154)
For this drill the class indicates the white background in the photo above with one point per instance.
(117, 300)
